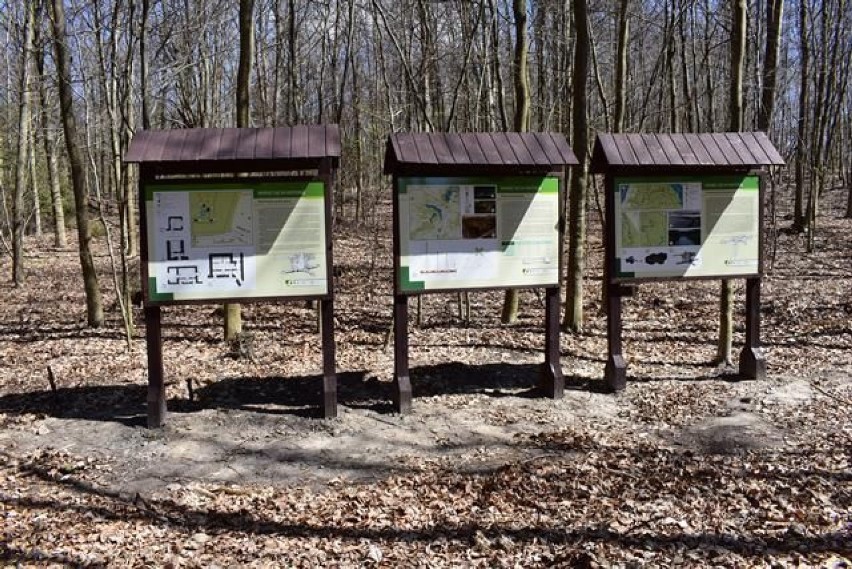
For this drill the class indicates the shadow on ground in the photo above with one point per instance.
(298, 396)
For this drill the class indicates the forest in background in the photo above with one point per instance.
(99, 71)
(686, 467)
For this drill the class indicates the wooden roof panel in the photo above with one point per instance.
(333, 144)
(608, 149)
(442, 151)
(190, 146)
(480, 149)
(519, 148)
(531, 141)
(625, 151)
(567, 156)
(736, 142)
(754, 147)
(705, 150)
(504, 149)
(424, 148)
(264, 143)
(246, 144)
(228, 144)
(683, 148)
(637, 145)
(672, 156)
(768, 148)
(490, 149)
(457, 149)
(139, 148)
(654, 147)
(299, 142)
(283, 142)
(215, 144)
(549, 147)
(716, 154)
(407, 145)
(731, 156)
(699, 149)
(474, 150)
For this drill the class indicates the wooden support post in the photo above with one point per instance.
(553, 382)
(615, 371)
(156, 385)
(329, 374)
(326, 305)
(402, 381)
(752, 360)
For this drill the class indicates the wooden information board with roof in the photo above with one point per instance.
(235, 215)
(683, 206)
(476, 211)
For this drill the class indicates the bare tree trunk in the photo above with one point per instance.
(94, 304)
(738, 40)
(293, 115)
(669, 65)
(496, 67)
(710, 84)
(521, 122)
(233, 312)
(685, 79)
(19, 218)
(573, 320)
(621, 67)
(804, 109)
(143, 64)
(34, 185)
(60, 239)
(847, 169)
(774, 22)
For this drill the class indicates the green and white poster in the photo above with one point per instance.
(687, 226)
(472, 232)
(212, 240)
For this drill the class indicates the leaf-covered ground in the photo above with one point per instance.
(686, 467)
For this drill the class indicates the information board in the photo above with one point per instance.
(687, 226)
(215, 240)
(477, 232)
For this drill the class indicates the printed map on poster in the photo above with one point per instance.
(687, 227)
(235, 240)
(478, 232)
(435, 213)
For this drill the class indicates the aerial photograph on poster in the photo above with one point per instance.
(478, 232)
(699, 227)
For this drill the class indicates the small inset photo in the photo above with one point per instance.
(479, 227)
(684, 237)
(485, 192)
(685, 220)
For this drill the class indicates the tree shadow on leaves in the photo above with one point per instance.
(300, 395)
(127, 404)
(119, 403)
(647, 469)
(493, 380)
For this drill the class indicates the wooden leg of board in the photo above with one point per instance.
(156, 383)
(329, 373)
(752, 360)
(615, 372)
(402, 381)
(553, 382)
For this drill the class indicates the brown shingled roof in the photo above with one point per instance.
(707, 150)
(477, 149)
(194, 145)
